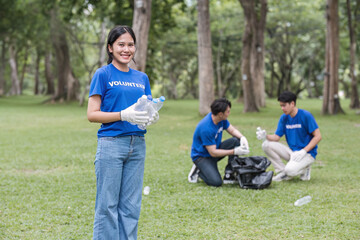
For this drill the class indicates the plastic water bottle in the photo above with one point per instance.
(143, 104)
(302, 201)
(150, 105)
(158, 103)
(146, 190)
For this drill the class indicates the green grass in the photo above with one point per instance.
(47, 180)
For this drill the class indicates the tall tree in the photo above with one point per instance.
(206, 71)
(50, 89)
(15, 82)
(252, 66)
(68, 85)
(141, 26)
(2, 68)
(331, 101)
(37, 72)
(354, 97)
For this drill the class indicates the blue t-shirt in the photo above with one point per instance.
(206, 134)
(298, 130)
(118, 91)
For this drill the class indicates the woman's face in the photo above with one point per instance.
(123, 50)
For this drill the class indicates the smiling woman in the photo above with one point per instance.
(122, 50)
(120, 156)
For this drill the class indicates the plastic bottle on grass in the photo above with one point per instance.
(146, 190)
(302, 201)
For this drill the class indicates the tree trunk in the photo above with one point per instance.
(50, 90)
(2, 69)
(247, 82)
(37, 81)
(331, 102)
(141, 26)
(73, 86)
(354, 97)
(15, 83)
(206, 72)
(68, 85)
(252, 66)
(23, 70)
(173, 84)
(218, 67)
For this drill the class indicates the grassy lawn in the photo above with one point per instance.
(47, 180)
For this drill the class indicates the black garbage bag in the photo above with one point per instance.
(251, 172)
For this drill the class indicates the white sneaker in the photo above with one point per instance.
(281, 176)
(305, 176)
(193, 174)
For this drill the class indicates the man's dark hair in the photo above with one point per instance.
(287, 97)
(220, 105)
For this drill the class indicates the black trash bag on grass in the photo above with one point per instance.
(251, 172)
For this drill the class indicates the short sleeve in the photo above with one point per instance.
(98, 83)
(207, 138)
(311, 123)
(280, 131)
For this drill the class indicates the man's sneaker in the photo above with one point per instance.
(229, 178)
(281, 176)
(305, 176)
(193, 174)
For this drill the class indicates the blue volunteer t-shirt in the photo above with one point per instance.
(298, 130)
(206, 134)
(118, 91)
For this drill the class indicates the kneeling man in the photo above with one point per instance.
(302, 135)
(207, 148)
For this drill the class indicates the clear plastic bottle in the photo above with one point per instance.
(158, 103)
(150, 105)
(143, 104)
(302, 201)
(146, 190)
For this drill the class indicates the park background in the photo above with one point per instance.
(49, 52)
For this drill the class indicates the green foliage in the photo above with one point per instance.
(295, 29)
(296, 42)
(47, 180)
(174, 60)
(227, 25)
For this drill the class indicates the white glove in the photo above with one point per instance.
(240, 150)
(154, 118)
(260, 134)
(244, 143)
(132, 116)
(298, 155)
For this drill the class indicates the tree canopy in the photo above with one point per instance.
(294, 45)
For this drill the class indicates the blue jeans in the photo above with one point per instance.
(119, 169)
(208, 167)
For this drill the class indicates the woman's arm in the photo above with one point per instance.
(94, 114)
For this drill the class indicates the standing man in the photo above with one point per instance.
(302, 135)
(207, 148)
